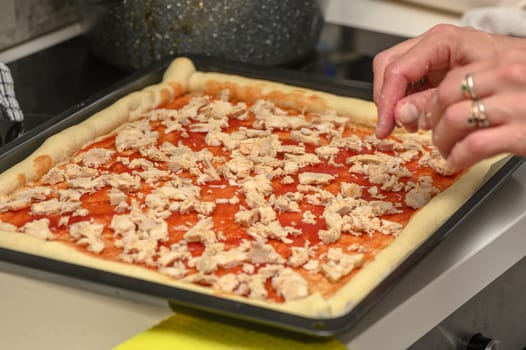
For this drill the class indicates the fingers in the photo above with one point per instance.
(386, 122)
(485, 143)
(502, 112)
(504, 72)
(444, 56)
(410, 111)
(431, 54)
(488, 77)
(498, 83)
(383, 60)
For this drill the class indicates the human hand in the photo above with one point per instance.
(499, 83)
(441, 57)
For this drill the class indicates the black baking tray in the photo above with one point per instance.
(208, 304)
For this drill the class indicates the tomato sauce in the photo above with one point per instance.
(100, 210)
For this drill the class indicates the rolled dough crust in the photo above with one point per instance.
(181, 77)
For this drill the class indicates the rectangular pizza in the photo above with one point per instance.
(250, 190)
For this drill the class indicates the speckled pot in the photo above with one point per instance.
(133, 34)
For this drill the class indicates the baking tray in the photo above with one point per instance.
(212, 305)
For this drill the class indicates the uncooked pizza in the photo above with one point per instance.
(246, 189)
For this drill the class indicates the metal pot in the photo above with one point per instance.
(133, 34)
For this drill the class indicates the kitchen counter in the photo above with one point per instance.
(48, 311)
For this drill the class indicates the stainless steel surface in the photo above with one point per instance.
(133, 34)
(492, 320)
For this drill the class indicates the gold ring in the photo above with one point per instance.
(478, 115)
(468, 88)
(482, 118)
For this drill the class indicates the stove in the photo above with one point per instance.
(57, 78)
(53, 80)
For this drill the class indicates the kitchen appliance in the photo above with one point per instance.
(9, 129)
(489, 321)
(134, 34)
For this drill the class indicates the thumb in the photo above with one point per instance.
(410, 111)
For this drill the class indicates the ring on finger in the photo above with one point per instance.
(468, 87)
(478, 115)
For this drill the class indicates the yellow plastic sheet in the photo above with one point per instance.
(182, 331)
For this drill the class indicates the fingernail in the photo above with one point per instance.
(408, 113)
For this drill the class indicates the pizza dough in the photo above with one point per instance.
(181, 77)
